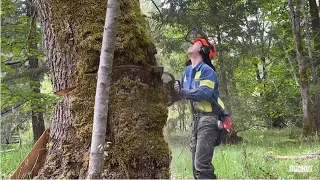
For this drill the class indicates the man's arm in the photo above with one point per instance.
(182, 79)
(206, 87)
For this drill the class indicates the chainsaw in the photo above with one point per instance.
(168, 81)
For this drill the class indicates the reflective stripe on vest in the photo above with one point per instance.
(203, 106)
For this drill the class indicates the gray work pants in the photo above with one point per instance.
(205, 136)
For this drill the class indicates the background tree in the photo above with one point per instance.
(315, 59)
(32, 46)
(23, 68)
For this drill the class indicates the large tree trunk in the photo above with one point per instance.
(38, 126)
(138, 104)
(304, 85)
(315, 61)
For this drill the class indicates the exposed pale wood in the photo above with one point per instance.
(302, 157)
(63, 92)
(34, 160)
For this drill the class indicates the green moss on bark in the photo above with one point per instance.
(137, 108)
(139, 147)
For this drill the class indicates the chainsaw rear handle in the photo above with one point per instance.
(169, 86)
(174, 95)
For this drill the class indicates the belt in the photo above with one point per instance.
(201, 114)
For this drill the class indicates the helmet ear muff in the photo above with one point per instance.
(204, 50)
(207, 48)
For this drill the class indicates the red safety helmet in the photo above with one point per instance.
(209, 46)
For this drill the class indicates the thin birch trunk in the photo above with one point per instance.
(96, 161)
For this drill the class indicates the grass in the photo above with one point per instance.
(244, 161)
(11, 160)
(249, 160)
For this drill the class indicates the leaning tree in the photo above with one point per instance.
(135, 148)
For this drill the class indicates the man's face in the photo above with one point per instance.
(194, 48)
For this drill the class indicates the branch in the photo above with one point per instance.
(11, 109)
(267, 173)
(12, 76)
(159, 13)
(13, 63)
(302, 157)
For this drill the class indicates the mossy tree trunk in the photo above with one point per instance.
(308, 125)
(137, 108)
(315, 61)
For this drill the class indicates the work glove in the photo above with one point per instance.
(225, 122)
(177, 87)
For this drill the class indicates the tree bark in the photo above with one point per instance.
(183, 116)
(315, 22)
(181, 107)
(38, 126)
(138, 105)
(315, 115)
(296, 30)
(315, 25)
(180, 116)
(103, 90)
(315, 61)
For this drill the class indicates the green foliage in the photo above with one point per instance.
(255, 52)
(11, 160)
(15, 31)
(21, 87)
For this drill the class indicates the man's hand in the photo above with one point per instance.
(177, 87)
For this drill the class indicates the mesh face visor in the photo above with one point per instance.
(192, 35)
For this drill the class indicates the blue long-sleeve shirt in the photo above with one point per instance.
(200, 85)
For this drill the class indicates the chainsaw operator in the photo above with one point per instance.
(199, 84)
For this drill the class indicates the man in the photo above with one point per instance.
(199, 84)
